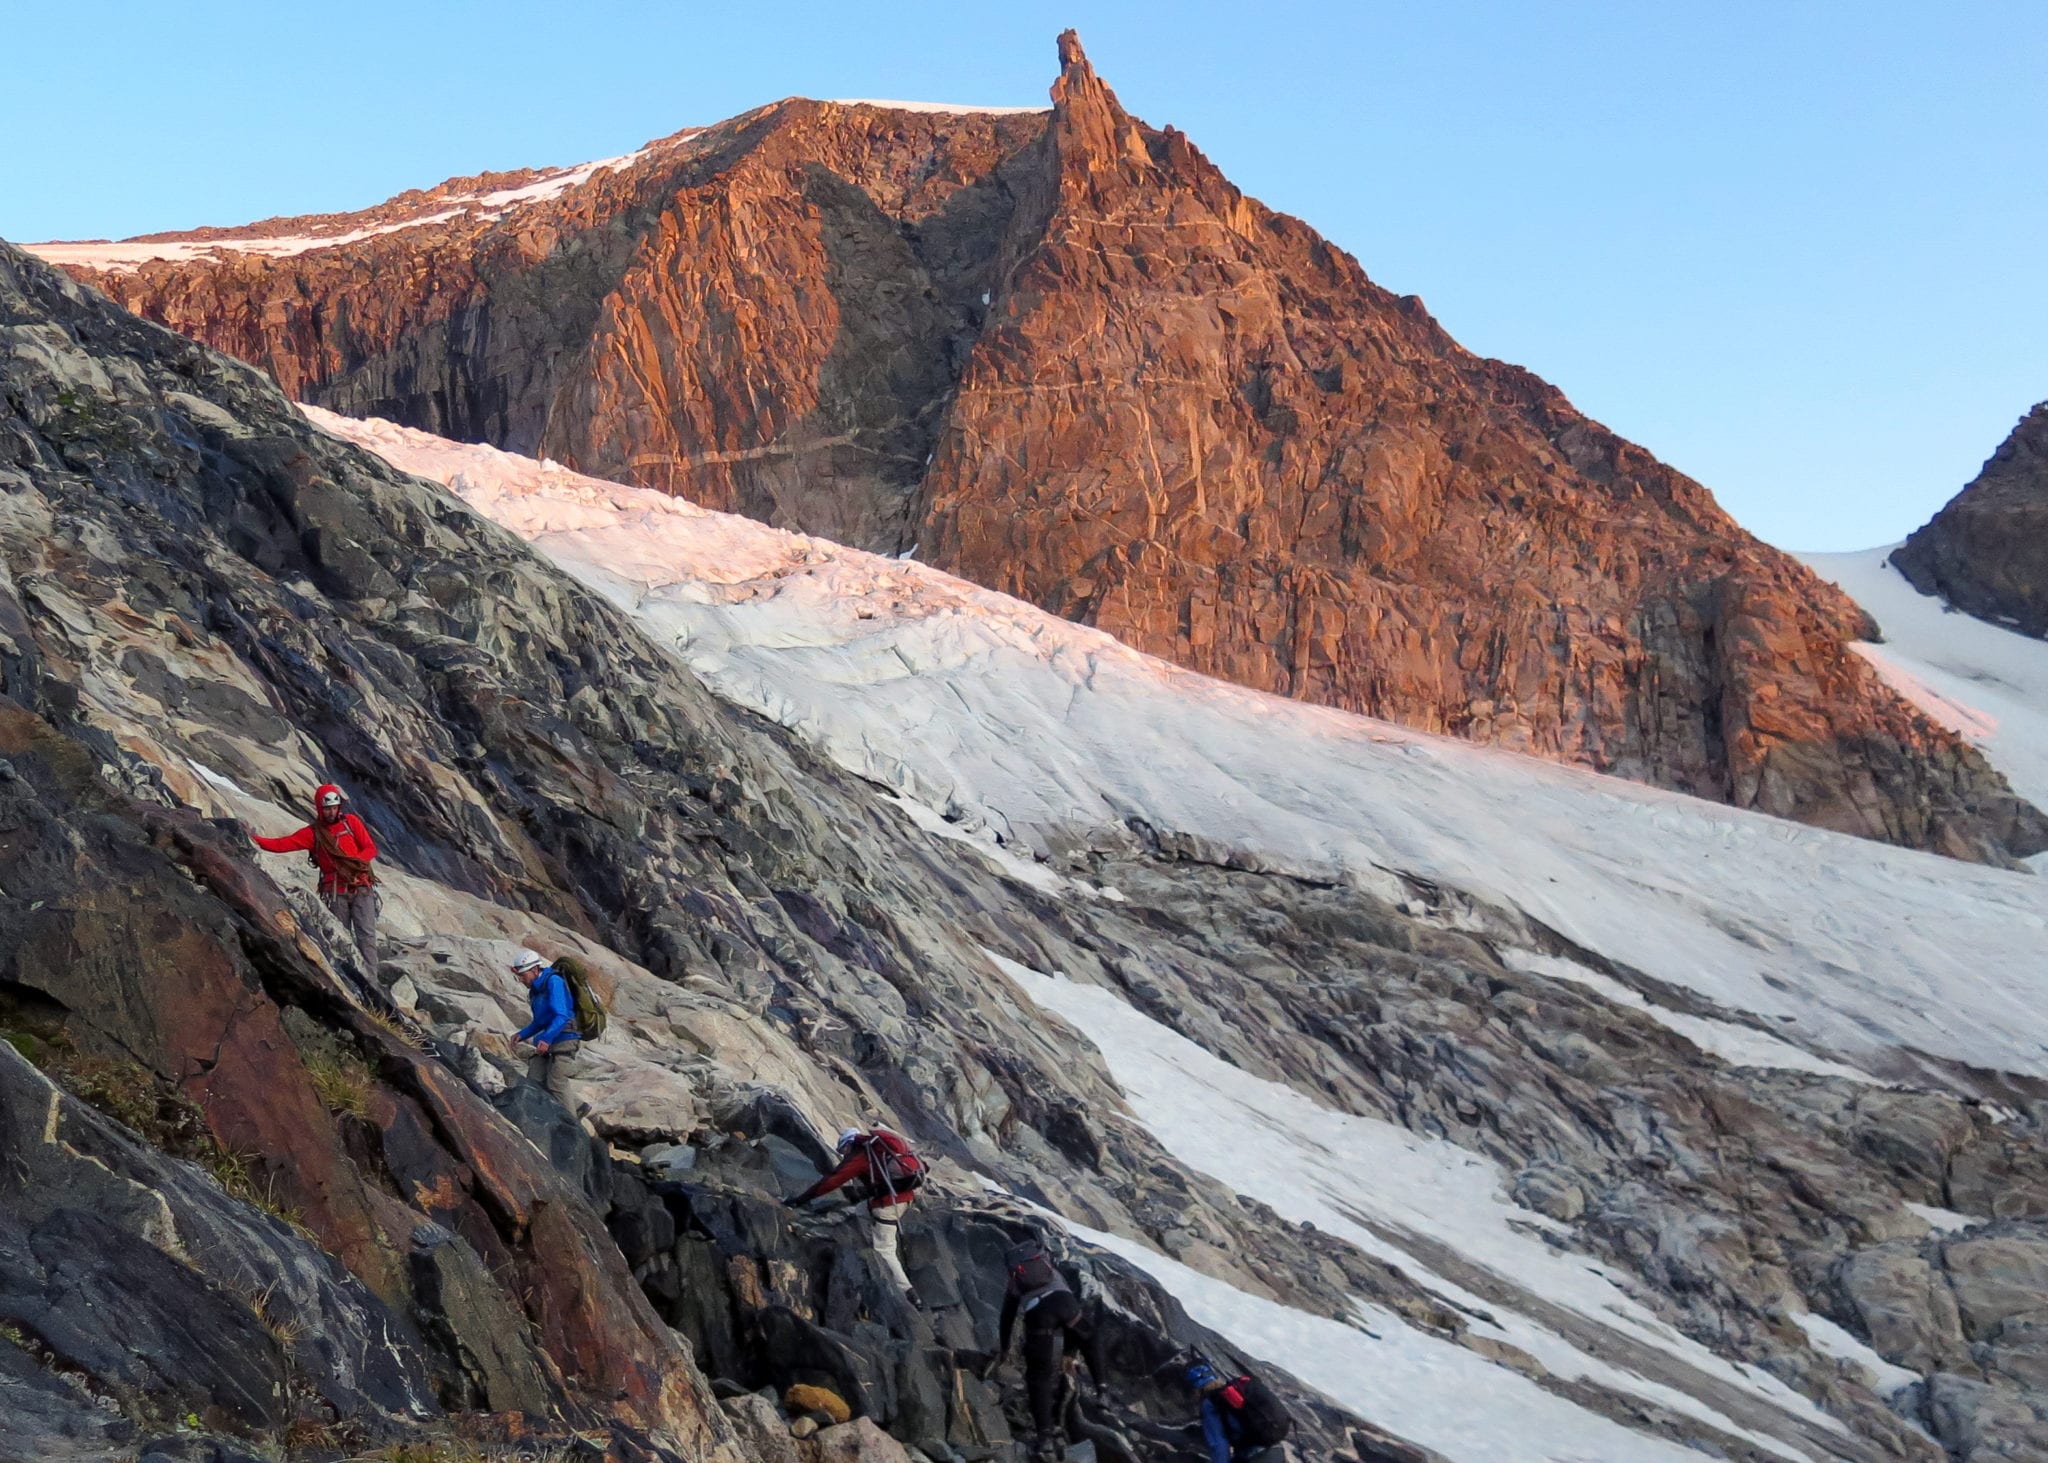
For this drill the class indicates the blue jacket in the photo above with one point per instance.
(1221, 1429)
(554, 1010)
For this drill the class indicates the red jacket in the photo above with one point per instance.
(351, 838)
(857, 1167)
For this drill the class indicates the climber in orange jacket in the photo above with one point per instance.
(340, 846)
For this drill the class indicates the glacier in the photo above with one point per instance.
(1049, 738)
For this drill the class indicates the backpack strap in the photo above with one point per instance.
(879, 1166)
(353, 872)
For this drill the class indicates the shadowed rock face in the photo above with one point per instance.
(1060, 354)
(1987, 551)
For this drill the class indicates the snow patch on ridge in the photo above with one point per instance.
(130, 254)
(556, 183)
(1987, 684)
(945, 108)
(1737, 1045)
(1053, 736)
(127, 255)
(1371, 1182)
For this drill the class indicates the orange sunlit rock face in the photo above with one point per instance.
(1058, 353)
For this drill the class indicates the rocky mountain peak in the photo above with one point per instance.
(1091, 127)
(1066, 358)
(1986, 552)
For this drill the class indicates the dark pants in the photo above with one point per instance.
(357, 911)
(1047, 1326)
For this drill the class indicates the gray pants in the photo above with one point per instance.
(886, 1219)
(357, 911)
(554, 1069)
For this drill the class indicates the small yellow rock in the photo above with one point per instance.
(801, 1398)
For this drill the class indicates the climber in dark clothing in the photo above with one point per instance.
(1052, 1314)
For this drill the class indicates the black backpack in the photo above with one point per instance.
(1262, 1416)
(1032, 1269)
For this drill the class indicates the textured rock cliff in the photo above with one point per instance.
(254, 1197)
(1986, 552)
(1060, 354)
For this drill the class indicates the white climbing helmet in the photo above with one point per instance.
(526, 960)
(848, 1137)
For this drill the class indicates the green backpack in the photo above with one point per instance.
(590, 1013)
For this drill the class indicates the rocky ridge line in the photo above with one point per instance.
(208, 607)
(1986, 551)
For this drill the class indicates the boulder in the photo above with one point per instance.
(859, 1441)
(1902, 1302)
(762, 1429)
(1978, 1423)
(1997, 1273)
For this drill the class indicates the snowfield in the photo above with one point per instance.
(1048, 736)
(1986, 683)
(1372, 1182)
(1410, 1383)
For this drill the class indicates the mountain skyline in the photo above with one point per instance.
(1060, 353)
(1779, 255)
(930, 716)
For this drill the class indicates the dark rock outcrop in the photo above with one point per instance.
(138, 1276)
(1986, 552)
(1061, 355)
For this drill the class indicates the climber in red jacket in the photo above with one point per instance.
(342, 849)
(890, 1173)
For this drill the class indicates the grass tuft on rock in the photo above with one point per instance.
(342, 1082)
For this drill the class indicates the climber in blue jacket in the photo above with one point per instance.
(1240, 1417)
(556, 1041)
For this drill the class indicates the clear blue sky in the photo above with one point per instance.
(1796, 249)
